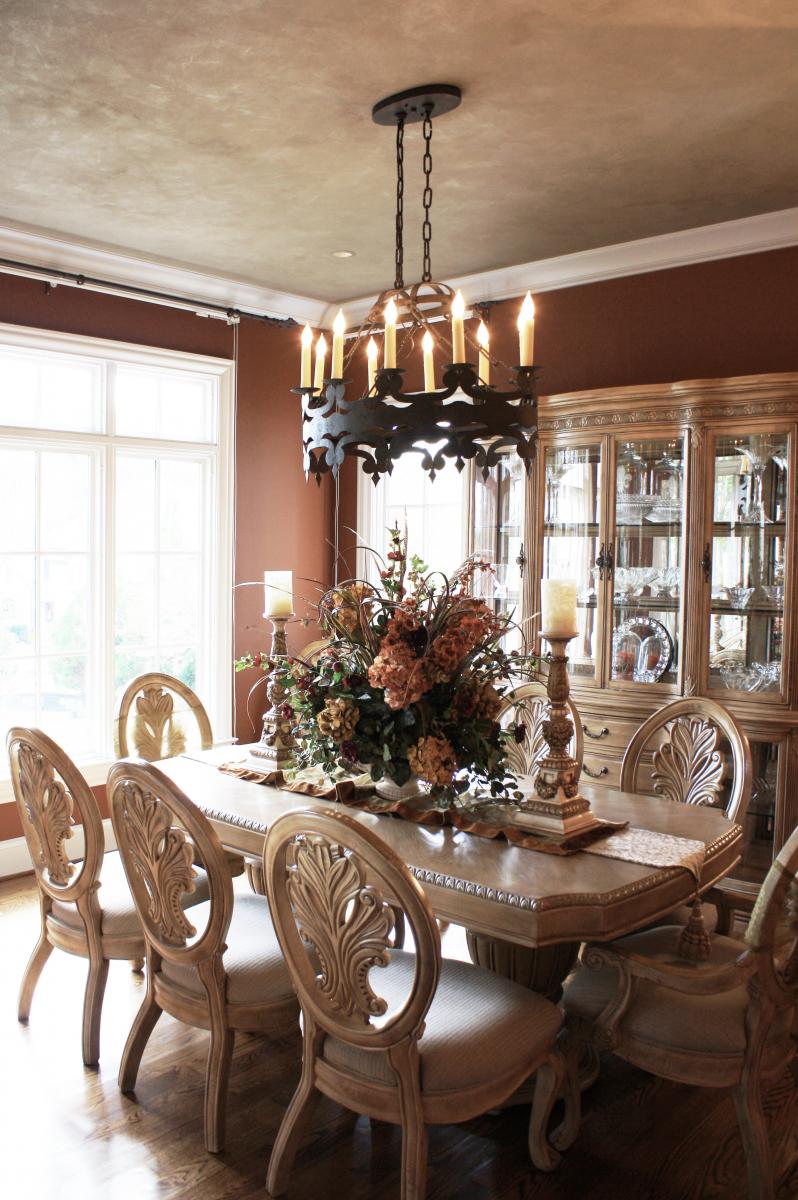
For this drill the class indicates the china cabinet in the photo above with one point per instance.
(674, 508)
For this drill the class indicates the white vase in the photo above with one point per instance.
(386, 789)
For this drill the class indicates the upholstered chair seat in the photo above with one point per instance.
(500, 1022)
(253, 961)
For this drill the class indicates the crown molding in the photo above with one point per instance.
(730, 239)
(46, 250)
(750, 235)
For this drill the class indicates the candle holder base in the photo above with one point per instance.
(275, 750)
(560, 816)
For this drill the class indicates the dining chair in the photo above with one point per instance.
(222, 970)
(528, 705)
(148, 720)
(149, 725)
(679, 754)
(86, 906)
(722, 1023)
(407, 1038)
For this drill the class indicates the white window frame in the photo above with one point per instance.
(371, 519)
(219, 455)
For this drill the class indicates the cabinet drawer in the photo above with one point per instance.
(605, 770)
(606, 734)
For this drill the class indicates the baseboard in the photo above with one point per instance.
(15, 858)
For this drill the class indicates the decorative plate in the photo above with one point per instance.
(642, 650)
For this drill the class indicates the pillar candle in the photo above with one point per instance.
(429, 363)
(526, 331)
(372, 352)
(558, 607)
(307, 341)
(484, 358)
(391, 317)
(458, 330)
(278, 588)
(321, 354)
(339, 325)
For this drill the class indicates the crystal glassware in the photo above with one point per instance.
(739, 596)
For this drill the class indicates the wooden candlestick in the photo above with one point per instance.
(276, 746)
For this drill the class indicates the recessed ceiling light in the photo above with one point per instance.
(343, 254)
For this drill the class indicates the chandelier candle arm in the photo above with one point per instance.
(339, 328)
(526, 331)
(321, 355)
(429, 362)
(483, 338)
(307, 342)
(458, 329)
(389, 348)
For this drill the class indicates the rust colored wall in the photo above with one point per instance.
(280, 520)
(737, 316)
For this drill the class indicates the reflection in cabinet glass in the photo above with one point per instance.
(572, 511)
(498, 537)
(648, 577)
(748, 559)
(759, 824)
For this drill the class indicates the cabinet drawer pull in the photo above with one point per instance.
(595, 774)
(601, 733)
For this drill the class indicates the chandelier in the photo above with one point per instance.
(463, 417)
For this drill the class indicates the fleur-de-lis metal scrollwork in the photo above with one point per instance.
(49, 807)
(346, 921)
(163, 857)
(689, 768)
(154, 722)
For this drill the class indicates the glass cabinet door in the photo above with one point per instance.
(571, 517)
(498, 537)
(751, 486)
(648, 555)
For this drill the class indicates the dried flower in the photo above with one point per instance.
(338, 719)
(433, 760)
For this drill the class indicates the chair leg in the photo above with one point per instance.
(93, 1010)
(220, 1056)
(414, 1158)
(137, 965)
(548, 1086)
(143, 1025)
(38, 958)
(566, 1132)
(295, 1122)
(754, 1131)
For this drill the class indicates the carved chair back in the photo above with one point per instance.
(689, 764)
(329, 879)
(155, 825)
(527, 704)
(52, 797)
(313, 651)
(772, 933)
(150, 722)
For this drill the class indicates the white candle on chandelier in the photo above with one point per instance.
(429, 362)
(321, 355)
(458, 330)
(558, 607)
(278, 593)
(391, 317)
(526, 331)
(483, 338)
(339, 325)
(307, 342)
(372, 352)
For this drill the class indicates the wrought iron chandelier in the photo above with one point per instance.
(465, 417)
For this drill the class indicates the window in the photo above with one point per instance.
(435, 513)
(115, 530)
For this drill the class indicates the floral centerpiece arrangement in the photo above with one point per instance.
(410, 685)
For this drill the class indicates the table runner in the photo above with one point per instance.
(612, 839)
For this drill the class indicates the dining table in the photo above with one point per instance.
(526, 911)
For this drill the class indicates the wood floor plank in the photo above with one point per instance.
(67, 1130)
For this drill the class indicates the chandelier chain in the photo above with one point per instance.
(426, 229)
(400, 200)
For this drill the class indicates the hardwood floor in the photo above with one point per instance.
(68, 1132)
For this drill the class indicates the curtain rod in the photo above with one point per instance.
(51, 277)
